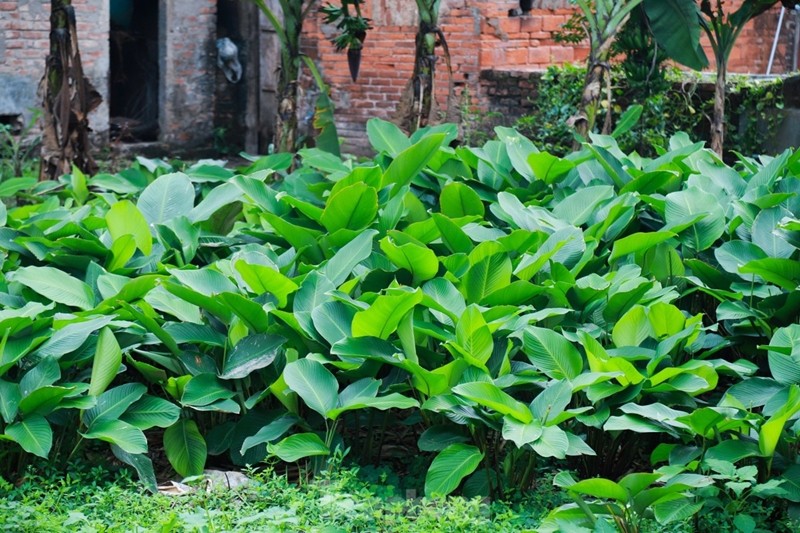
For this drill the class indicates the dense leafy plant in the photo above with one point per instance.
(497, 306)
(681, 104)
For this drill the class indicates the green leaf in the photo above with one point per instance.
(314, 384)
(353, 207)
(732, 255)
(250, 354)
(113, 402)
(298, 446)
(450, 466)
(272, 431)
(702, 210)
(382, 403)
(33, 434)
(549, 168)
(106, 363)
(123, 218)
(638, 242)
(628, 120)
(10, 397)
(782, 272)
(56, 285)
(490, 395)
(333, 321)
(460, 200)
(600, 488)
(119, 433)
(411, 161)
(420, 260)
(261, 279)
(71, 336)
(486, 276)
(341, 265)
(149, 411)
(473, 336)
(205, 389)
(141, 463)
(579, 207)
(185, 448)
(676, 26)
(386, 137)
(551, 353)
(384, 315)
(168, 197)
(44, 400)
(520, 433)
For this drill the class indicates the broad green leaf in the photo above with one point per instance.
(554, 442)
(632, 328)
(549, 168)
(44, 400)
(71, 336)
(490, 395)
(628, 120)
(353, 207)
(551, 353)
(782, 272)
(732, 255)
(437, 438)
(459, 200)
(386, 137)
(638, 242)
(313, 292)
(185, 448)
(382, 403)
(205, 389)
(298, 446)
(784, 362)
(687, 205)
(10, 397)
(520, 433)
(600, 488)
(168, 197)
(473, 336)
(552, 401)
(449, 467)
(272, 431)
(765, 234)
(771, 430)
(119, 433)
(333, 321)
(341, 265)
(149, 411)
(141, 463)
(313, 383)
(113, 402)
(123, 218)
(676, 26)
(250, 354)
(33, 434)
(518, 147)
(411, 161)
(56, 285)
(420, 260)
(261, 279)
(578, 207)
(106, 363)
(452, 235)
(486, 276)
(45, 373)
(384, 315)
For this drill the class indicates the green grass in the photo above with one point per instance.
(94, 499)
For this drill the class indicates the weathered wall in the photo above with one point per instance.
(482, 37)
(187, 36)
(24, 43)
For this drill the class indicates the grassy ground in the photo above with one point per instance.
(91, 500)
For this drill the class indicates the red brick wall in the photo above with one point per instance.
(24, 43)
(481, 36)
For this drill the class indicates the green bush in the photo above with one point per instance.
(500, 310)
(679, 104)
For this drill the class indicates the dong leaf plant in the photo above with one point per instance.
(511, 311)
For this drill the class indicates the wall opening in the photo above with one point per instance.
(134, 70)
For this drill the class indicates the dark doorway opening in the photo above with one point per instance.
(134, 70)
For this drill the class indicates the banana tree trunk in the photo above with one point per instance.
(67, 99)
(718, 120)
(286, 119)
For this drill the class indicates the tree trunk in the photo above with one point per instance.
(67, 99)
(418, 99)
(718, 120)
(590, 99)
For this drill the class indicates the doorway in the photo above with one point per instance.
(134, 70)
